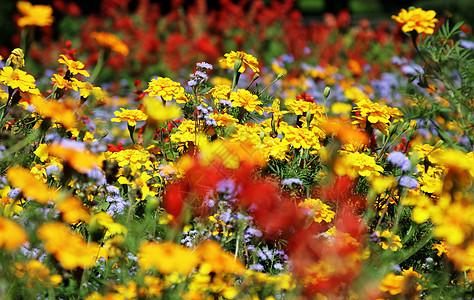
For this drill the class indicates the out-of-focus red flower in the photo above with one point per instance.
(113, 148)
(341, 192)
(305, 97)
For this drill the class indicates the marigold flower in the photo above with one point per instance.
(186, 132)
(106, 220)
(223, 119)
(67, 247)
(247, 60)
(16, 58)
(357, 164)
(134, 158)
(217, 260)
(158, 112)
(36, 15)
(167, 258)
(86, 89)
(165, 88)
(220, 92)
(72, 210)
(16, 78)
(376, 115)
(129, 115)
(392, 241)
(63, 83)
(55, 110)
(392, 283)
(320, 210)
(30, 186)
(73, 66)
(247, 100)
(111, 41)
(81, 161)
(417, 19)
(300, 138)
(12, 235)
(299, 107)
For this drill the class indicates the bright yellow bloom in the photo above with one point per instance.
(300, 138)
(158, 112)
(67, 247)
(454, 223)
(165, 88)
(392, 283)
(247, 60)
(441, 247)
(37, 15)
(12, 236)
(417, 19)
(81, 161)
(35, 270)
(30, 186)
(217, 260)
(299, 107)
(357, 164)
(247, 100)
(354, 93)
(73, 66)
(223, 119)
(134, 158)
(86, 89)
(18, 79)
(376, 115)
(62, 83)
(106, 220)
(16, 58)
(186, 132)
(111, 41)
(55, 110)
(167, 258)
(220, 92)
(390, 240)
(320, 210)
(129, 115)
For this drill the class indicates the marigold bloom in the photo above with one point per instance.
(73, 66)
(247, 60)
(106, 220)
(223, 119)
(12, 235)
(72, 210)
(16, 78)
(158, 112)
(165, 88)
(392, 283)
(37, 15)
(134, 158)
(67, 247)
(167, 258)
(186, 132)
(357, 164)
(129, 115)
(55, 110)
(299, 107)
(63, 83)
(111, 41)
(320, 210)
(220, 92)
(376, 115)
(300, 138)
(217, 260)
(81, 161)
(86, 89)
(392, 241)
(417, 19)
(16, 58)
(30, 186)
(247, 100)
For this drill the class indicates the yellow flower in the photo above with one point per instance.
(376, 115)
(223, 119)
(35, 270)
(134, 158)
(355, 163)
(73, 66)
(247, 100)
(392, 283)
(106, 220)
(86, 88)
(441, 247)
(55, 110)
(186, 132)
(417, 19)
(454, 223)
(247, 60)
(321, 211)
(18, 79)
(299, 107)
(158, 112)
(129, 115)
(390, 240)
(12, 236)
(167, 258)
(341, 108)
(220, 92)
(300, 138)
(111, 41)
(16, 58)
(37, 15)
(67, 247)
(217, 260)
(30, 186)
(165, 88)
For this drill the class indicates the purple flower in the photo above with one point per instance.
(204, 65)
(192, 83)
(278, 266)
(290, 181)
(261, 255)
(256, 267)
(399, 159)
(408, 182)
(467, 44)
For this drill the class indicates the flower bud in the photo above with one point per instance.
(327, 91)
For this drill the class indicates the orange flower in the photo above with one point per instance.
(73, 66)
(417, 19)
(392, 283)
(167, 257)
(12, 236)
(81, 161)
(22, 178)
(73, 210)
(55, 110)
(111, 41)
(37, 15)
(18, 79)
(247, 100)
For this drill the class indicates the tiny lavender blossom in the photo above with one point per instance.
(290, 181)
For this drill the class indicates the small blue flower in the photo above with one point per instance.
(467, 44)
(256, 267)
(290, 181)
(408, 182)
(204, 65)
(399, 159)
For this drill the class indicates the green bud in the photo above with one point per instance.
(327, 91)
